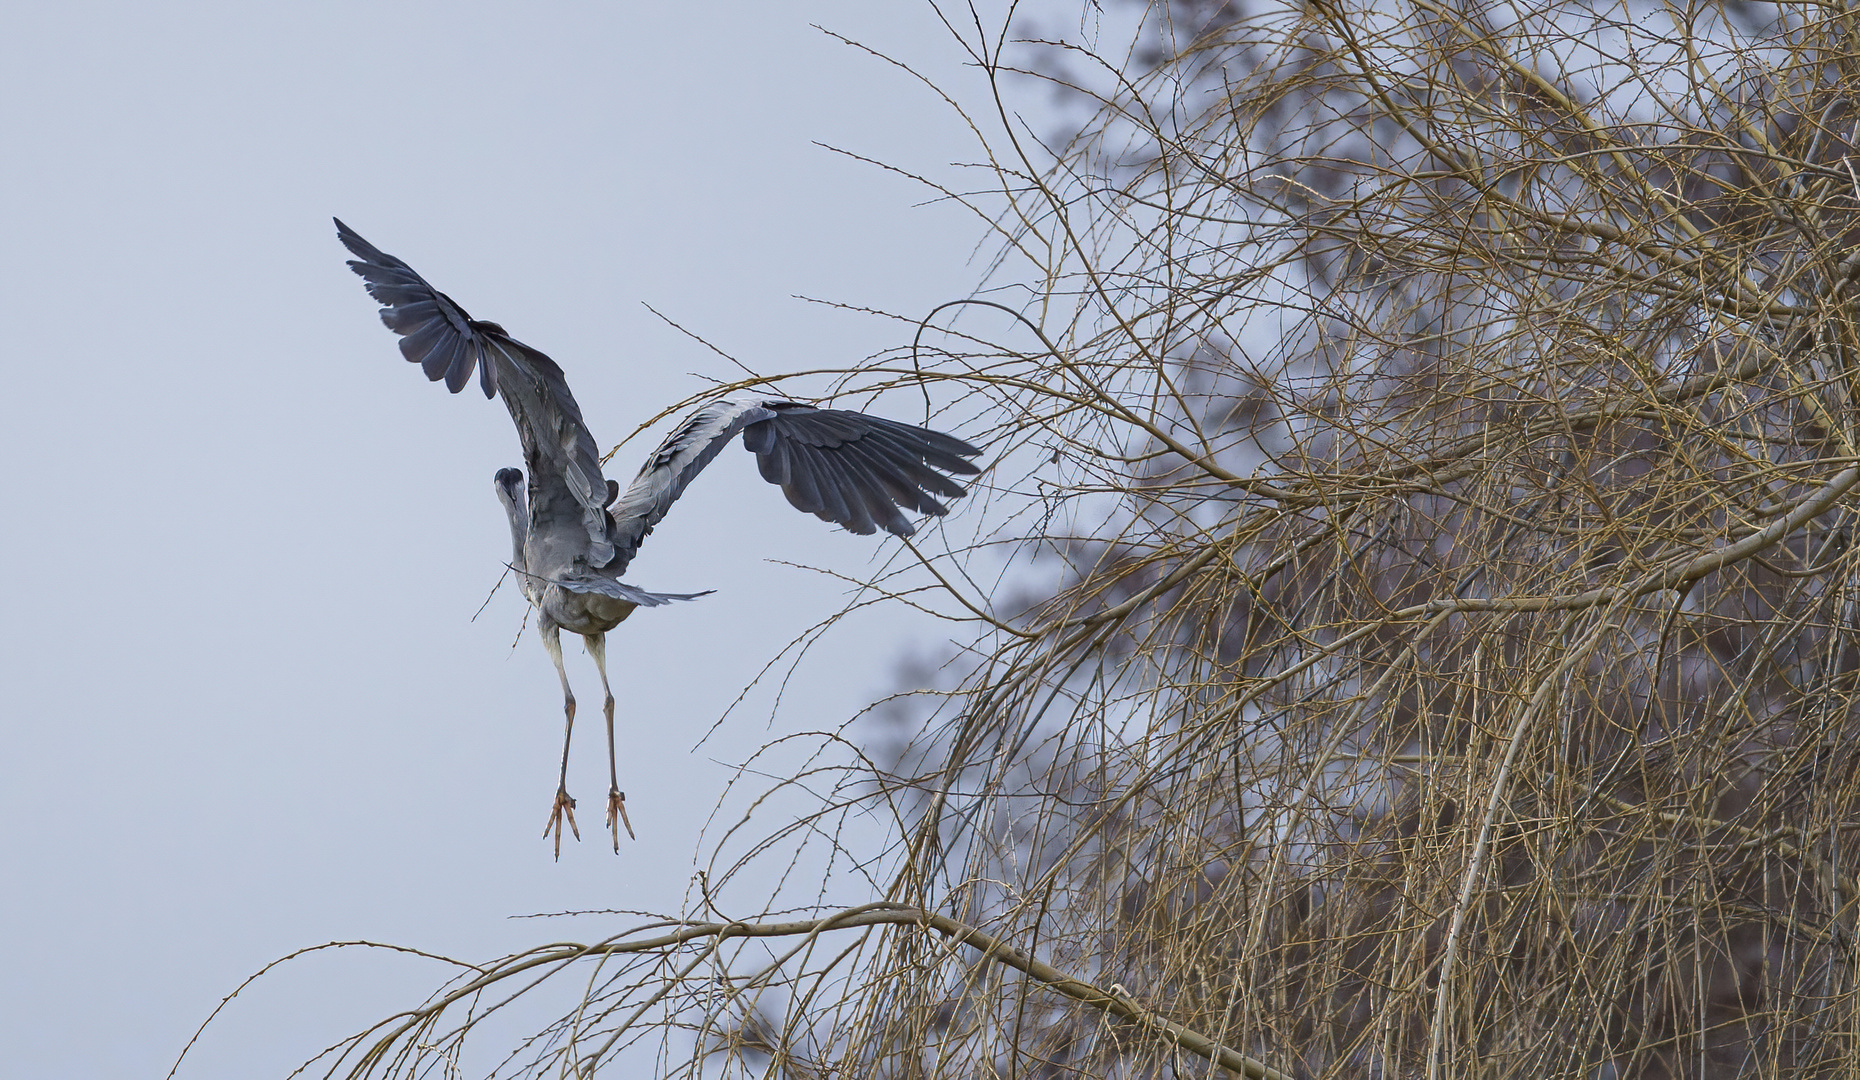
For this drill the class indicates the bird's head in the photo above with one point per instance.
(509, 483)
(510, 488)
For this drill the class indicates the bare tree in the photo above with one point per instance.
(1414, 628)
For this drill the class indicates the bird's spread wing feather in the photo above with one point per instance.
(854, 470)
(565, 481)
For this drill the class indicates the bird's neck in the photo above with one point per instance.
(518, 533)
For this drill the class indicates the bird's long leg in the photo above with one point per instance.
(616, 799)
(564, 806)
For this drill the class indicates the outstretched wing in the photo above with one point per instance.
(854, 470)
(564, 467)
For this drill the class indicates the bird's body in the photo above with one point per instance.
(581, 610)
(574, 533)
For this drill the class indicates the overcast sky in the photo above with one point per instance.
(245, 705)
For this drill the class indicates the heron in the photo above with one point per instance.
(573, 532)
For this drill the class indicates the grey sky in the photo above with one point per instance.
(245, 708)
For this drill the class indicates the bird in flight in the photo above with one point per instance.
(573, 532)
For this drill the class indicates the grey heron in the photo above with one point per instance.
(573, 532)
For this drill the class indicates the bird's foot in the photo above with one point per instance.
(564, 807)
(616, 816)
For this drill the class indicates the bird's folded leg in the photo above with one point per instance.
(564, 807)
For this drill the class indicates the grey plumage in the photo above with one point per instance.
(574, 533)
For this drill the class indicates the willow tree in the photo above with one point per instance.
(1411, 630)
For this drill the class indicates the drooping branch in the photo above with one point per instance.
(1112, 1001)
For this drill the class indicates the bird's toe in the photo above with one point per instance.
(616, 817)
(564, 808)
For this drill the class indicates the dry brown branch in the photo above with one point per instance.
(378, 1045)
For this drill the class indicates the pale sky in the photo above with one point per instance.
(246, 707)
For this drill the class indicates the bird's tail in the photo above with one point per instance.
(654, 599)
(620, 590)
